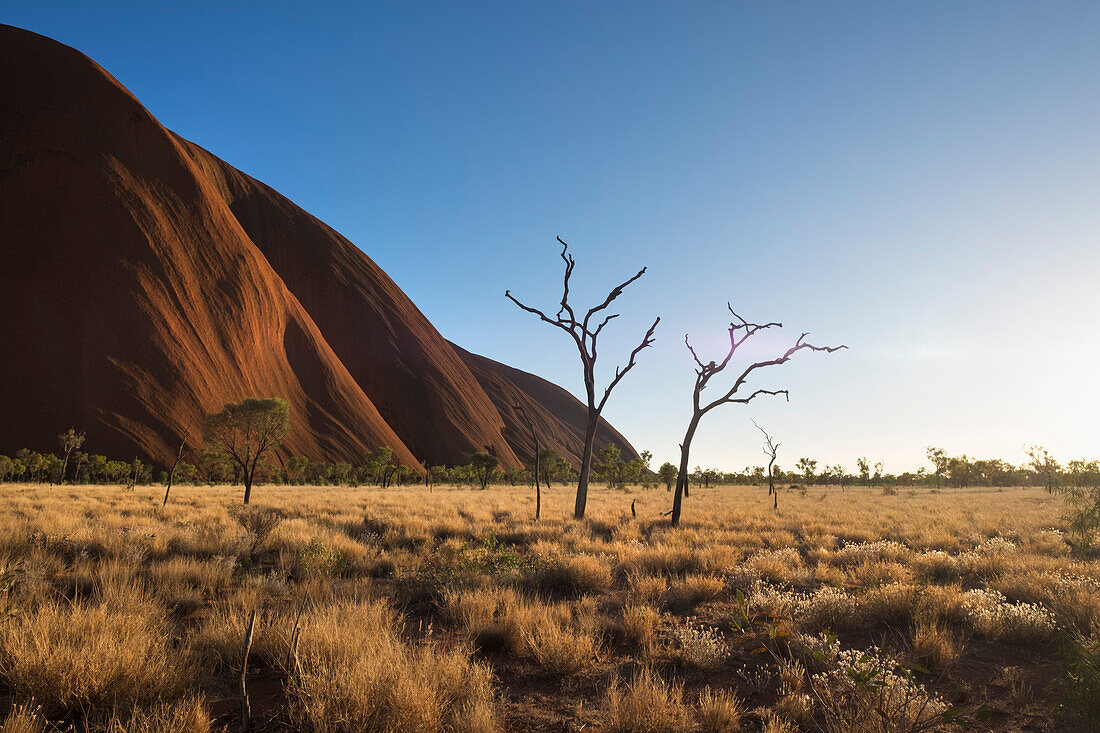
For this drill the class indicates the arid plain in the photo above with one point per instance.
(452, 610)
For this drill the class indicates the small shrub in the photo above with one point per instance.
(703, 648)
(316, 559)
(259, 523)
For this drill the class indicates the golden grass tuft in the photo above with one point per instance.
(647, 704)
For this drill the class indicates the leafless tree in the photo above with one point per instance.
(771, 450)
(740, 331)
(172, 470)
(538, 453)
(585, 335)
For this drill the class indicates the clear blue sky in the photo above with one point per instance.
(919, 181)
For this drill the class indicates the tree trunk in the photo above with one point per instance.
(682, 476)
(247, 487)
(586, 464)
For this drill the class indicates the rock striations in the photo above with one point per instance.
(144, 282)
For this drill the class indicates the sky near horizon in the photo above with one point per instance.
(918, 181)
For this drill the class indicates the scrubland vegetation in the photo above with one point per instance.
(404, 610)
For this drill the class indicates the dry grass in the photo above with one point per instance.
(443, 611)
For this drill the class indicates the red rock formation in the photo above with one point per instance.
(145, 282)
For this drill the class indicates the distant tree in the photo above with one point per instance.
(380, 466)
(877, 478)
(552, 466)
(482, 465)
(739, 331)
(535, 469)
(838, 472)
(864, 470)
(243, 432)
(1044, 466)
(807, 466)
(938, 458)
(667, 475)
(70, 440)
(645, 473)
(611, 466)
(296, 467)
(771, 450)
(6, 467)
(584, 334)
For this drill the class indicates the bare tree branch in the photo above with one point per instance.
(585, 337)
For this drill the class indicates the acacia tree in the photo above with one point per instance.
(244, 431)
(740, 331)
(584, 334)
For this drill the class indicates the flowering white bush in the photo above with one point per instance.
(700, 647)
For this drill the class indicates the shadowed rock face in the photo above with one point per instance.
(144, 282)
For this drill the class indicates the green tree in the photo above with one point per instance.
(611, 465)
(807, 466)
(864, 470)
(244, 431)
(667, 475)
(6, 467)
(296, 469)
(482, 465)
(380, 466)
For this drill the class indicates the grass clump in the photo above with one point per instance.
(358, 676)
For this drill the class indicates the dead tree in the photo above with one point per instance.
(771, 450)
(535, 437)
(740, 331)
(585, 335)
(172, 471)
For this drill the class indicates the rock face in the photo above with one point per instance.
(144, 282)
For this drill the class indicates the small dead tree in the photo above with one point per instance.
(771, 450)
(740, 331)
(183, 451)
(538, 452)
(585, 335)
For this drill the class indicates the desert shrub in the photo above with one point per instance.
(647, 704)
(83, 656)
(318, 560)
(992, 617)
(875, 691)
(699, 647)
(259, 524)
(358, 676)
